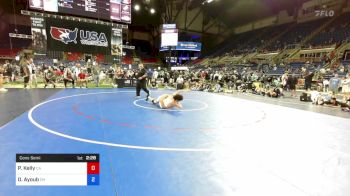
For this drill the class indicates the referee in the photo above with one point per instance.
(141, 81)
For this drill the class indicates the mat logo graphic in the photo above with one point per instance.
(64, 35)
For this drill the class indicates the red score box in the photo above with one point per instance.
(93, 168)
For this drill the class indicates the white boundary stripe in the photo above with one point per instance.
(5, 125)
(205, 106)
(31, 119)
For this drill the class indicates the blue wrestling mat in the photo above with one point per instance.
(215, 145)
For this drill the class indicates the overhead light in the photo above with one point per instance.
(137, 7)
(207, 1)
(152, 11)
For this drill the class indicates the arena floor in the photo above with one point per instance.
(217, 145)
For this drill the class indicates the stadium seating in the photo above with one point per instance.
(336, 32)
(295, 35)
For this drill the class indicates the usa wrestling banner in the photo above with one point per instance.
(74, 36)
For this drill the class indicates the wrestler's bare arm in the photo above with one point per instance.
(177, 104)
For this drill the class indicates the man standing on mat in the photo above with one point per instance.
(141, 81)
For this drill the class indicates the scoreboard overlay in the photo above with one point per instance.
(57, 169)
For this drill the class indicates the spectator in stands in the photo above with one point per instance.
(26, 73)
(325, 85)
(102, 77)
(274, 92)
(96, 74)
(68, 76)
(308, 80)
(292, 82)
(171, 81)
(203, 75)
(49, 77)
(230, 85)
(149, 76)
(89, 68)
(346, 87)
(155, 74)
(7, 71)
(61, 67)
(207, 88)
(334, 84)
(218, 87)
(33, 71)
(2, 70)
(216, 76)
(284, 81)
(153, 83)
(166, 79)
(276, 83)
(76, 70)
(179, 82)
(110, 75)
(82, 78)
(119, 73)
(11, 70)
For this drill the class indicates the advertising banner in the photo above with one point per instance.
(77, 36)
(117, 42)
(189, 46)
(38, 33)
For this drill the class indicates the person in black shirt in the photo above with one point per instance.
(308, 80)
(141, 81)
(292, 82)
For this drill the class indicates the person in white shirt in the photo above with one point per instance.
(284, 79)
(76, 71)
(325, 85)
(179, 83)
(155, 74)
(32, 78)
(346, 87)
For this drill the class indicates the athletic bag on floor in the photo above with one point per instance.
(305, 97)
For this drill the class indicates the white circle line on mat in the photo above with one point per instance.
(35, 123)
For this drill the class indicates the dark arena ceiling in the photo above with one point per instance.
(238, 12)
(230, 12)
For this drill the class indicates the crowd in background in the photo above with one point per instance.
(255, 80)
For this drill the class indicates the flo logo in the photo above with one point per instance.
(324, 13)
(64, 35)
